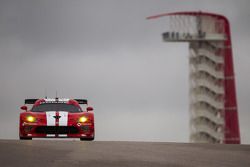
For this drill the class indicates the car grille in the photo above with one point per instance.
(56, 130)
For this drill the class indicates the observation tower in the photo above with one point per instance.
(213, 104)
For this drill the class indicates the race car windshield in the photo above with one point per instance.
(56, 107)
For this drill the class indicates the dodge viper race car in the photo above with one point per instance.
(56, 118)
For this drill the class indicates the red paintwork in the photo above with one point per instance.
(189, 13)
(72, 121)
(73, 102)
(232, 131)
(38, 102)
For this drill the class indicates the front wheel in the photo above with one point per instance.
(25, 138)
(87, 139)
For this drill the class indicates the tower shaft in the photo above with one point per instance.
(213, 105)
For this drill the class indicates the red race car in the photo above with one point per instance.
(56, 118)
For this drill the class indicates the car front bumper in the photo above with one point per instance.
(35, 130)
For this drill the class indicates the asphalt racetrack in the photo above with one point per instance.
(60, 153)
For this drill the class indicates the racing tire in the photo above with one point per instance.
(25, 138)
(87, 139)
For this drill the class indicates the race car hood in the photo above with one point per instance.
(59, 117)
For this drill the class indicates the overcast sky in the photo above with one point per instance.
(106, 51)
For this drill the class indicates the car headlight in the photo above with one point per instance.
(30, 118)
(83, 119)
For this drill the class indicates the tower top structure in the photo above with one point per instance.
(195, 26)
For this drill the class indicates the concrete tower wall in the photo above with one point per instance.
(206, 94)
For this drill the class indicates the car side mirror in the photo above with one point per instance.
(90, 109)
(24, 108)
